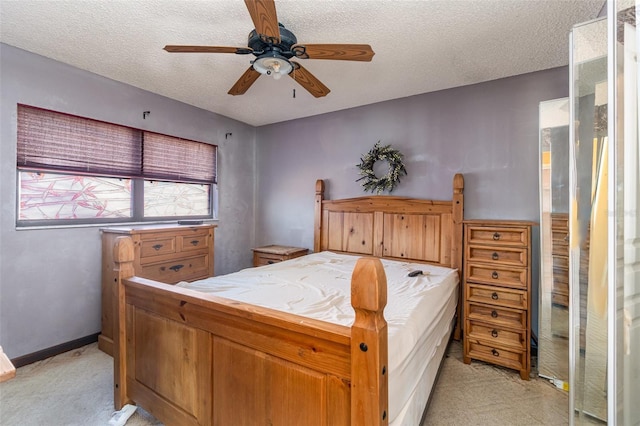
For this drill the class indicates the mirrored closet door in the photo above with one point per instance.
(553, 333)
(624, 244)
(604, 221)
(589, 221)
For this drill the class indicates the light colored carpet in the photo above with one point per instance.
(70, 389)
(483, 394)
(76, 388)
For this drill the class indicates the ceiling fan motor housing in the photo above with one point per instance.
(260, 46)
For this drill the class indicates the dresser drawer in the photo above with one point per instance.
(560, 298)
(496, 235)
(496, 296)
(494, 335)
(173, 271)
(560, 220)
(265, 259)
(509, 358)
(195, 241)
(156, 245)
(498, 255)
(499, 275)
(561, 263)
(561, 279)
(502, 317)
(560, 243)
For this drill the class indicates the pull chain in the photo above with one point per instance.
(294, 78)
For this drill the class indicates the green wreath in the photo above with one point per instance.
(387, 182)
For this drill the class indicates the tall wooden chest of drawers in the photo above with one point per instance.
(560, 255)
(165, 253)
(497, 293)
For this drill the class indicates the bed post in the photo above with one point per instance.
(457, 244)
(123, 258)
(317, 236)
(369, 383)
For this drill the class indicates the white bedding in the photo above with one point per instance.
(418, 313)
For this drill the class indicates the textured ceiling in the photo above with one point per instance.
(421, 46)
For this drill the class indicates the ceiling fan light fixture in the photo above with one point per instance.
(272, 64)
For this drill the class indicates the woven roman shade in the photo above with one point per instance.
(54, 141)
(180, 160)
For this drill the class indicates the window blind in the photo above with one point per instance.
(53, 141)
(175, 159)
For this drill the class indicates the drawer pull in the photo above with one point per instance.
(495, 352)
(176, 268)
(494, 314)
(494, 275)
(496, 236)
(195, 242)
(270, 262)
(494, 296)
(157, 247)
(495, 256)
(494, 333)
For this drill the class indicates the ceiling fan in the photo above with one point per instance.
(274, 46)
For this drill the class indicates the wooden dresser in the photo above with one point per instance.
(271, 254)
(560, 255)
(166, 253)
(497, 293)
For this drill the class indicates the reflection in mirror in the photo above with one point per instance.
(588, 222)
(553, 338)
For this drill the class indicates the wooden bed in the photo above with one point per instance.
(192, 358)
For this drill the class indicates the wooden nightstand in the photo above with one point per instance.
(271, 254)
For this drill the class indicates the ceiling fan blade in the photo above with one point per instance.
(242, 85)
(264, 17)
(208, 49)
(308, 81)
(341, 52)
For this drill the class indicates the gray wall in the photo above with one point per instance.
(488, 132)
(50, 279)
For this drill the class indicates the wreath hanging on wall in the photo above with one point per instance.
(387, 182)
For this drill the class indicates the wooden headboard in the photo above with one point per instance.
(392, 227)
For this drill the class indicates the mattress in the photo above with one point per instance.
(419, 311)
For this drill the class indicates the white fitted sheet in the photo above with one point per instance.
(418, 313)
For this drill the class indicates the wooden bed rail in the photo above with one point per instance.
(298, 359)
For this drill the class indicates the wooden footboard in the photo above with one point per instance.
(191, 358)
(195, 359)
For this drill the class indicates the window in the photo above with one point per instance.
(55, 196)
(76, 170)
